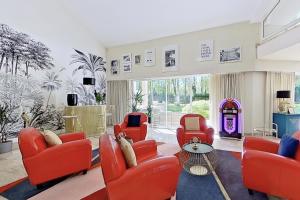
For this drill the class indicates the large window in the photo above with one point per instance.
(297, 94)
(171, 98)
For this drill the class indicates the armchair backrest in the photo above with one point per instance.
(297, 136)
(112, 160)
(144, 117)
(31, 142)
(202, 121)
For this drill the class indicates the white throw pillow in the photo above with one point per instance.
(51, 138)
(192, 124)
(128, 152)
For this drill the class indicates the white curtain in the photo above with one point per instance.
(118, 94)
(276, 81)
(223, 86)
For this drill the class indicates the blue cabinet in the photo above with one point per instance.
(287, 123)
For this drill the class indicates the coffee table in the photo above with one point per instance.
(198, 158)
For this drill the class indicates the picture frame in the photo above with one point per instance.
(127, 67)
(114, 67)
(206, 50)
(137, 59)
(170, 58)
(149, 57)
(230, 55)
(127, 58)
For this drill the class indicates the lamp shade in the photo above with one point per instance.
(88, 81)
(283, 94)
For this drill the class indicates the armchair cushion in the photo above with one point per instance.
(288, 146)
(134, 120)
(128, 152)
(51, 138)
(192, 123)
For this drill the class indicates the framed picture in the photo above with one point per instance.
(206, 50)
(127, 67)
(230, 55)
(114, 67)
(137, 59)
(149, 57)
(126, 58)
(170, 58)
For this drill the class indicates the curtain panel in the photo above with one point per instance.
(223, 86)
(118, 94)
(277, 81)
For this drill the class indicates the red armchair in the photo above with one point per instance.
(135, 133)
(265, 171)
(155, 177)
(206, 134)
(43, 164)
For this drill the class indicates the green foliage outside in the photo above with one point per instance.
(198, 107)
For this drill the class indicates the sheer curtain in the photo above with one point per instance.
(276, 81)
(223, 86)
(118, 94)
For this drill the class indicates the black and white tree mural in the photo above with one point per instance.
(91, 66)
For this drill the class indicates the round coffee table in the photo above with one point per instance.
(198, 158)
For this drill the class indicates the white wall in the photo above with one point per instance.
(49, 23)
(244, 34)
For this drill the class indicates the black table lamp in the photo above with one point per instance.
(283, 94)
(89, 81)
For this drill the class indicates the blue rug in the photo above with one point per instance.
(25, 190)
(228, 171)
(191, 187)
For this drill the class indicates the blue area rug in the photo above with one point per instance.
(197, 187)
(25, 190)
(228, 171)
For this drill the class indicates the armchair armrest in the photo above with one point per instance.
(143, 127)
(68, 137)
(159, 175)
(270, 172)
(210, 134)
(260, 144)
(145, 149)
(180, 135)
(59, 160)
(118, 128)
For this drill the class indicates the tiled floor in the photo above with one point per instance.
(11, 166)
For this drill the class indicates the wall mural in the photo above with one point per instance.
(29, 79)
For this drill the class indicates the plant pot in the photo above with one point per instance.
(149, 120)
(72, 99)
(6, 146)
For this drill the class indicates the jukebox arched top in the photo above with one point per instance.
(230, 118)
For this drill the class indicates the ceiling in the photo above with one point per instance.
(117, 22)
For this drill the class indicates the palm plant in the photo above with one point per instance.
(90, 62)
(51, 83)
(137, 99)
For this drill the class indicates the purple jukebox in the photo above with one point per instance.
(230, 118)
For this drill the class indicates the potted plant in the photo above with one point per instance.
(99, 97)
(7, 117)
(137, 99)
(72, 97)
(149, 113)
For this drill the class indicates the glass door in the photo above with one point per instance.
(158, 100)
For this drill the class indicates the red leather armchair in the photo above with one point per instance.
(265, 171)
(206, 134)
(154, 178)
(44, 163)
(135, 133)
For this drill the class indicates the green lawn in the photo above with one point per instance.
(199, 107)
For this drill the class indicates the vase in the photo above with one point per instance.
(72, 99)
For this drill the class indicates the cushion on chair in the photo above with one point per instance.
(128, 152)
(288, 146)
(51, 138)
(192, 123)
(134, 120)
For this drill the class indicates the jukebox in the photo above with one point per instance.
(230, 119)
